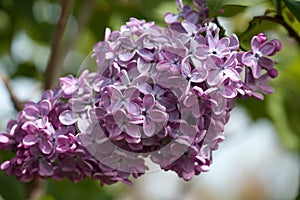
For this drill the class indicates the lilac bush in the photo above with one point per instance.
(162, 93)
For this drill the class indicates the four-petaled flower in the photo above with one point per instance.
(220, 71)
(257, 58)
(124, 99)
(119, 123)
(40, 136)
(171, 59)
(153, 119)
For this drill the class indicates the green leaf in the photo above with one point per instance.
(46, 197)
(10, 188)
(260, 110)
(215, 5)
(231, 10)
(283, 106)
(27, 69)
(284, 119)
(86, 189)
(294, 7)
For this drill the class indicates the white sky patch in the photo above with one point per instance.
(6, 109)
(22, 47)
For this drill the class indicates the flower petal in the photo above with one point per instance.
(192, 16)
(234, 43)
(3, 138)
(171, 18)
(45, 107)
(31, 139)
(266, 63)
(69, 84)
(202, 52)
(5, 165)
(84, 125)
(188, 166)
(114, 133)
(229, 92)
(45, 168)
(126, 56)
(256, 70)
(214, 77)
(185, 69)
(132, 108)
(190, 100)
(31, 111)
(232, 74)
(199, 75)
(148, 101)
(45, 146)
(133, 130)
(189, 27)
(223, 43)
(67, 117)
(149, 129)
(267, 48)
(247, 59)
(145, 54)
(255, 44)
(179, 147)
(158, 115)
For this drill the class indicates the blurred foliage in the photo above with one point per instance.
(215, 5)
(26, 32)
(294, 7)
(10, 188)
(282, 107)
(90, 190)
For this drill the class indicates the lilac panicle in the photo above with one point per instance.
(159, 93)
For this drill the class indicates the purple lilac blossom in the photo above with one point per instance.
(159, 93)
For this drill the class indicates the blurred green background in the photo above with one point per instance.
(26, 34)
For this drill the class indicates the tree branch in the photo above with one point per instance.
(15, 100)
(52, 69)
(279, 19)
(35, 189)
(82, 20)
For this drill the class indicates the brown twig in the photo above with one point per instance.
(279, 19)
(15, 100)
(83, 18)
(35, 189)
(52, 69)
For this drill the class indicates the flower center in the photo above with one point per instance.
(257, 56)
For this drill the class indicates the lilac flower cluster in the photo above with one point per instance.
(159, 93)
(45, 147)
